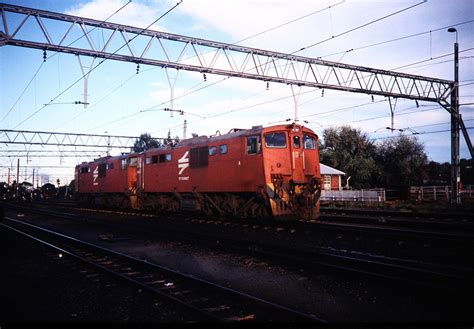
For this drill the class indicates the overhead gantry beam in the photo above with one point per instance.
(144, 46)
(28, 137)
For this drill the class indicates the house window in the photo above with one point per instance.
(223, 149)
(254, 144)
(327, 182)
(212, 150)
(276, 140)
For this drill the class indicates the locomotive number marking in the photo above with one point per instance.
(183, 163)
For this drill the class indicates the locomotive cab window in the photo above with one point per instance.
(123, 164)
(212, 150)
(110, 166)
(309, 142)
(154, 159)
(275, 140)
(254, 144)
(296, 142)
(84, 170)
(132, 162)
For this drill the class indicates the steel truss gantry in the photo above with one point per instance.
(145, 46)
(43, 138)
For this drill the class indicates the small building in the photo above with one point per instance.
(331, 178)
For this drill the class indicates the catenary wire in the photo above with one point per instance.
(54, 54)
(102, 61)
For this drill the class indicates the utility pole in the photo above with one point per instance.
(455, 147)
(17, 195)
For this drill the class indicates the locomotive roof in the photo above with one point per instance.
(236, 132)
(106, 158)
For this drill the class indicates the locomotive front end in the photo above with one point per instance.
(293, 180)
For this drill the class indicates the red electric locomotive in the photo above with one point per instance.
(258, 172)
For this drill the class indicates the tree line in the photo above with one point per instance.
(396, 163)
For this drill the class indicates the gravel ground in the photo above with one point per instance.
(332, 296)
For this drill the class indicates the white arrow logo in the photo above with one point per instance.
(95, 174)
(183, 163)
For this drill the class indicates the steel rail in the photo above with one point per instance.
(421, 273)
(253, 308)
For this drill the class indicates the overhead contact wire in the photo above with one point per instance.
(101, 62)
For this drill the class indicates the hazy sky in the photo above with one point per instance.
(118, 96)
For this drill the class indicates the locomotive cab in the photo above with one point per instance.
(291, 164)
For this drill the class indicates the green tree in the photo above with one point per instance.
(438, 173)
(351, 151)
(171, 141)
(467, 171)
(403, 162)
(145, 142)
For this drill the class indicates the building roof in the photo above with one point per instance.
(326, 170)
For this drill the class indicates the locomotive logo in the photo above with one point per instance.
(95, 174)
(183, 163)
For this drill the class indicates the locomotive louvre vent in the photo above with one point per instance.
(198, 157)
(257, 127)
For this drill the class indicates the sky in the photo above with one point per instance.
(408, 36)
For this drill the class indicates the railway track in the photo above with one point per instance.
(207, 301)
(462, 221)
(432, 274)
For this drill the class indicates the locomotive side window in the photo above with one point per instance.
(296, 142)
(212, 150)
(223, 149)
(102, 169)
(110, 166)
(123, 164)
(154, 159)
(165, 157)
(277, 140)
(84, 170)
(198, 157)
(147, 161)
(309, 142)
(254, 144)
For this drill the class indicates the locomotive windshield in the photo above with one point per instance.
(277, 139)
(309, 142)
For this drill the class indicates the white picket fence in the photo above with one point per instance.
(374, 195)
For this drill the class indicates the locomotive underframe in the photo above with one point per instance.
(277, 203)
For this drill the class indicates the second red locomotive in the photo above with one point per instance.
(248, 173)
